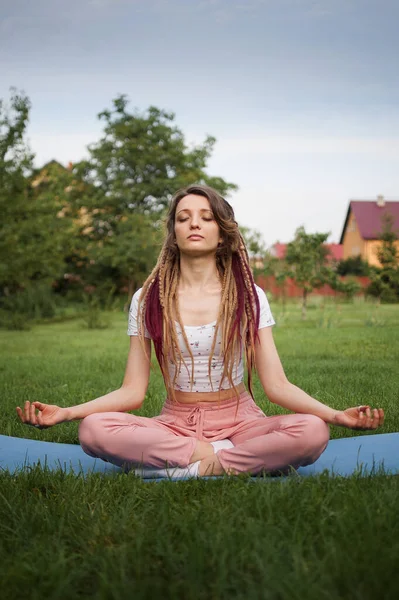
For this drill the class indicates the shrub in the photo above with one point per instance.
(95, 318)
(34, 302)
(354, 265)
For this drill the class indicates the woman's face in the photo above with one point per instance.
(196, 230)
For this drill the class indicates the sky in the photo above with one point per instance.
(301, 95)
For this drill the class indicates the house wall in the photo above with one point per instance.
(353, 243)
(370, 251)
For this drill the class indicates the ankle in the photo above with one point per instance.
(210, 466)
(202, 450)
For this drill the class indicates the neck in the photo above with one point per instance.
(197, 273)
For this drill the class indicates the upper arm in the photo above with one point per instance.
(267, 360)
(268, 364)
(137, 373)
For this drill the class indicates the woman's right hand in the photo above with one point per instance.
(47, 415)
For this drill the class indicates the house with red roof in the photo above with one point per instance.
(362, 227)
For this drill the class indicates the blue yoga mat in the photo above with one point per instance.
(361, 455)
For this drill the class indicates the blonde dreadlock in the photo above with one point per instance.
(158, 308)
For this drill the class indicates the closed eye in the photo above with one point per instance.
(203, 218)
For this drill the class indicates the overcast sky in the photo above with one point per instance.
(302, 95)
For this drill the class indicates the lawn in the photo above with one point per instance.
(64, 536)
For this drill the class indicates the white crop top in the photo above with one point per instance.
(200, 339)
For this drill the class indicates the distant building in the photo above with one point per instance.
(362, 227)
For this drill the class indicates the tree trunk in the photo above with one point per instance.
(304, 299)
(284, 297)
(130, 290)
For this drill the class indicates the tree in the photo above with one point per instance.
(31, 237)
(15, 165)
(254, 242)
(385, 281)
(256, 249)
(132, 172)
(127, 257)
(278, 268)
(306, 257)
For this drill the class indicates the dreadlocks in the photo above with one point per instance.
(238, 318)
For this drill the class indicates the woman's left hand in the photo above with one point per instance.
(360, 417)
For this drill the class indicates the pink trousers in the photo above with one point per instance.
(260, 443)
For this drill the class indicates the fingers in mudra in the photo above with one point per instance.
(377, 418)
(28, 415)
(24, 414)
(370, 419)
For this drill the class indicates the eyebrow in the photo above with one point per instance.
(189, 210)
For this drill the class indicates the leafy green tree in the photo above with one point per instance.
(126, 258)
(385, 281)
(132, 172)
(306, 258)
(15, 165)
(31, 243)
(256, 247)
(279, 269)
(254, 242)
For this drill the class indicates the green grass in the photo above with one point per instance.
(64, 536)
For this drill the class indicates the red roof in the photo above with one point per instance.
(368, 217)
(278, 250)
(336, 251)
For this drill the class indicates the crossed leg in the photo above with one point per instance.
(271, 444)
(128, 440)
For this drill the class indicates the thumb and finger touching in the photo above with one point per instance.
(32, 413)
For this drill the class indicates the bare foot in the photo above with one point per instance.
(210, 466)
(202, 450)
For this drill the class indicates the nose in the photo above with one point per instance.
(195, 222)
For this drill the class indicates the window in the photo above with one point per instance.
(352, 225)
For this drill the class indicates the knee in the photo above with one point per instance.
(89, 429)
(317, 433)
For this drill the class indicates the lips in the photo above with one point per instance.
(195, 237)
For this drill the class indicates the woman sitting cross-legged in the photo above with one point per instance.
(203, 313)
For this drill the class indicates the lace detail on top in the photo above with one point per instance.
(200, 340)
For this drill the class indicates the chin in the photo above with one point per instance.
(196, 252)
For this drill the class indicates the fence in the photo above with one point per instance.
(289, 289)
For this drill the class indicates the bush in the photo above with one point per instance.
(389, 296)
(95, 318)
(354, 265)
(34, 302)
(14, 321)
(384, 285)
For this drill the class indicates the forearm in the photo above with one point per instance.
(289, 396)
(121, 400)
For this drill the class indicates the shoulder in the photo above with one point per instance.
(137, 294)
(133, 325)
(135, 299)
(262, 296)
(265, 315)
